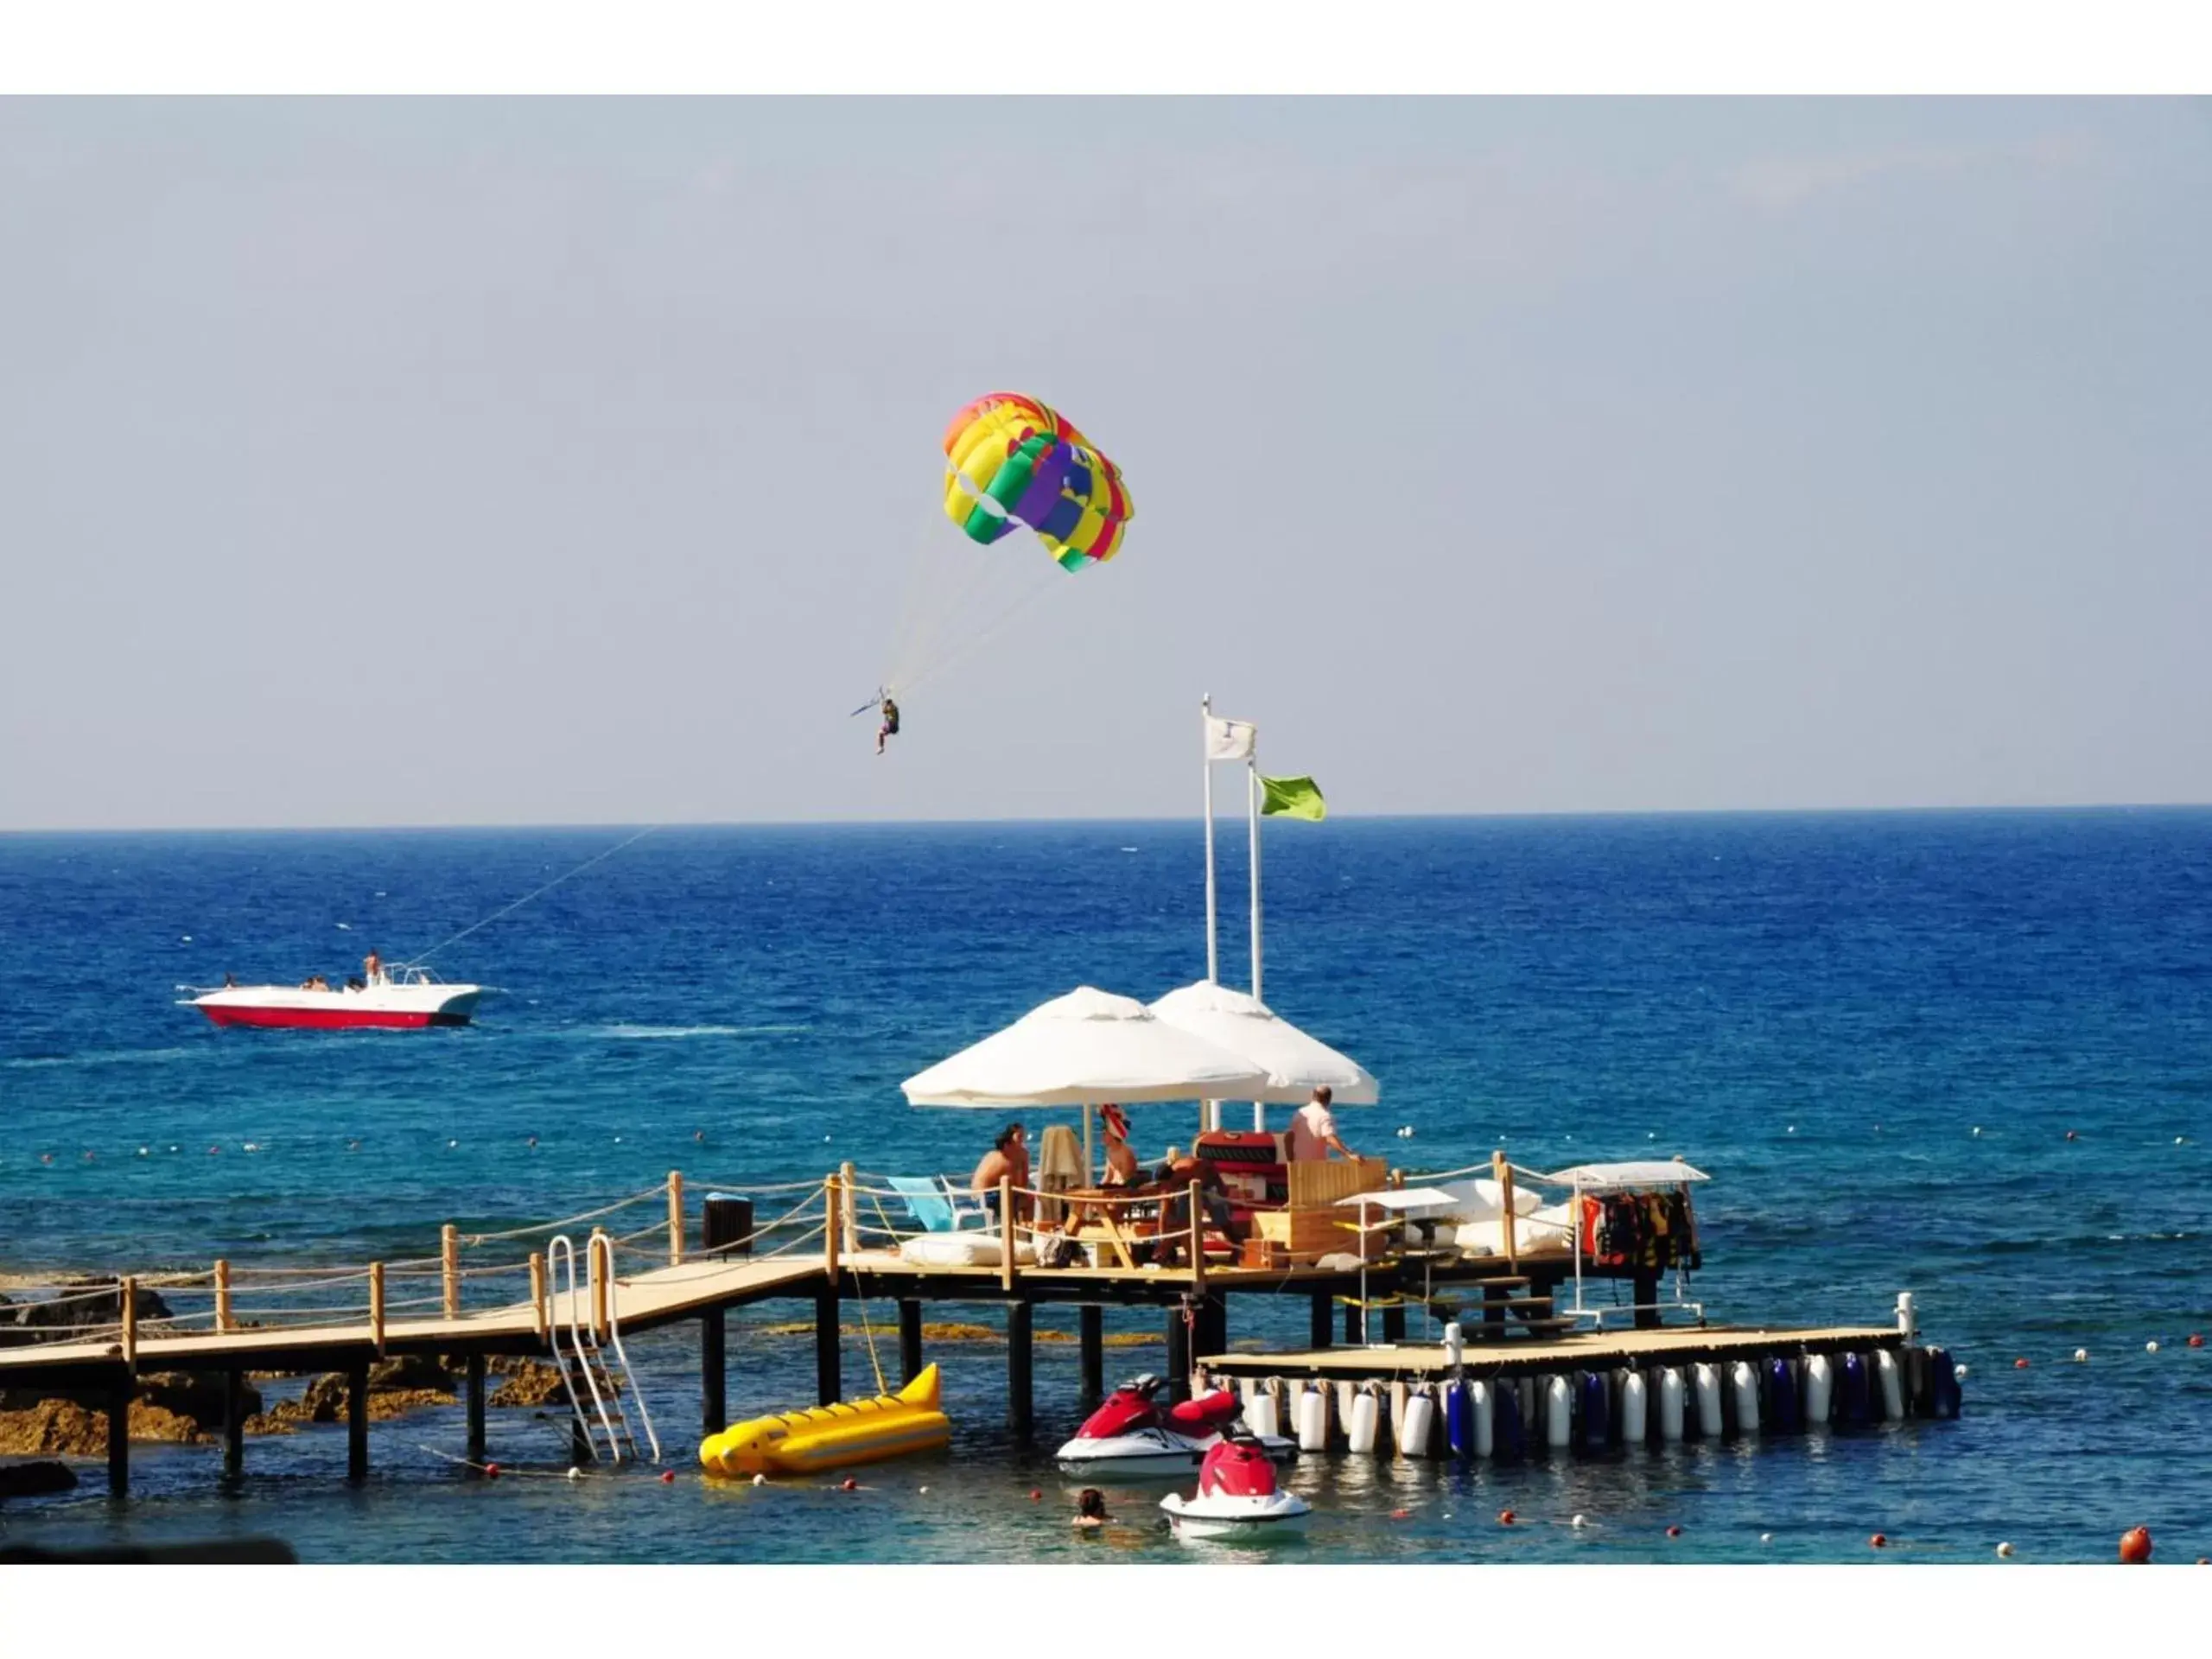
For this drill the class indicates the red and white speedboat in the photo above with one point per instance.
(398, 1000)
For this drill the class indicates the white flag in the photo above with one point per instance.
(1230, 740)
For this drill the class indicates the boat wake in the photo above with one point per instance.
(113, 1057)
(662, 1034)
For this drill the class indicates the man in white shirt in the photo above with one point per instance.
(1313, 1131)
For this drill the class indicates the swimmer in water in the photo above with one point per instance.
(1091, 1508)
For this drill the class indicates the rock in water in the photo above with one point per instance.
(35, 1479)
(532, 1382)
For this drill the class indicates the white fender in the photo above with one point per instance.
(1313, 1421)
(1885, 1368)
(1634, 1396)
(1746, 1382)
(1559, 1411)
(1260, 1414)
(1820, 1390)
(1361, 1425)
(1708, 1400)
(1670, 1403)
(1481, 1419)
(1420, 1425)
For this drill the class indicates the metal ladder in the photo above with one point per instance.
(585, 1357)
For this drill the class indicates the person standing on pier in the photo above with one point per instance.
(1313, 1131)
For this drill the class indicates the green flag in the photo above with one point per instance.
(1292, 797)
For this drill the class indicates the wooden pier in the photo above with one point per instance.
(820, 1251)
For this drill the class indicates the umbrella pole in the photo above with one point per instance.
(1205, 725)
(1090, 1161)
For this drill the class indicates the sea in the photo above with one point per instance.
(1965, 1054)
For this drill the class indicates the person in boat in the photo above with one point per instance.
(372, 966)
(1091, 1508)
(315, 982)
(230, 981)
(1313, 1131)
(890, 726)
(1009, 1159)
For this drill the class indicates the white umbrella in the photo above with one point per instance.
(1085, 1049)
(1296, 1064)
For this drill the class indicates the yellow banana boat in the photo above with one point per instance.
(833, 1437)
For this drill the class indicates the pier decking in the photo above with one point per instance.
(818, 1249)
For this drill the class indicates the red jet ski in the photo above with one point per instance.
(1133, 1435)
(1237, 1497)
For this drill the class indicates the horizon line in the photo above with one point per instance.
(926, 821)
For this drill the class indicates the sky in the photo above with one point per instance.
(410, 461)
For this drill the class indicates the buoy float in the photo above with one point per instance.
(1577, 1522)
(576, 1473)
(2020, 1364)
(1766, 1537)
(2150, 1347)
(760, 1480)
(2196, 1342)
(850, 1484)
(1879, 1541)
(2004, 1552)
(1505, 1517)
(1034, 1494)
(2070, 1134)
(2135, 1546)
(924, 1491)
(490, 1472)
(2081, 1355)
(1674, 1532)
(1400, 1515)
(667, 1476)
(1960, 1372)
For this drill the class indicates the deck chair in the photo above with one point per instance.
(935, 1205)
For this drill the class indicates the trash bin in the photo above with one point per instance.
(728, 1224)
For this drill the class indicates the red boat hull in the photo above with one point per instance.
(334, 1019)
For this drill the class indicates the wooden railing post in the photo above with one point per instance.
(1197, 1238)
(674, 1217)
(602, 1257)
(223, 1321)
(537, 1291)
(849, 1217)
(376, 1305)
(127, 1288)
(449, 1263)
(1006, 1232)
(1508, 1223)
(832, 1234)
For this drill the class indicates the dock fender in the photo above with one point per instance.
(1511, 1436)
(1706, 1385)
(1671, 1391)
(1635, 1408)
(1820, 1390)
(1596, 1411)
(1891, 1378)
(1362, 1423)
(1784, 1412)
(1420, 1432)
(1852, 1406)
(1745, 1382)
(1946, 1396)
(1559, 1411)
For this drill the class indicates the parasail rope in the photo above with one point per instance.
(421, 956)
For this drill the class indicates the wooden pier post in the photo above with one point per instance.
(1213, 1321)
(829, 1357)
(537, 1314)
(119, 1435)
(1198, 1243)
(1501, 1169)
(1091, 1324)
(910, 1341)
(714, 1388)
(1178, 1354)
(832, 1234)
(847, 1212)
(1020, 1410)
(356, 1407)
(1321, 1330)
(127, 1292)
(1008, 1232)
(234, 1423)
(599, 1267)
(449, 1268)
(674, 1217)
(376, 1305)
(475, 1386)
(223, 1321)
(1394, 1323)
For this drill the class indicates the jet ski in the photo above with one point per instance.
(1237, 1497)
(1133, 1436)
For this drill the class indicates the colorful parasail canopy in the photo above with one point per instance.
(1011, 460)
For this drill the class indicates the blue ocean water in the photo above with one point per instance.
(1821, 1011)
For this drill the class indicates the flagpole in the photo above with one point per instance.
(1252, 811)
(1205, 714)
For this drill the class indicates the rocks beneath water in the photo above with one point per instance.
(35, 1479)
(83, 1304)
(528, 1382)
